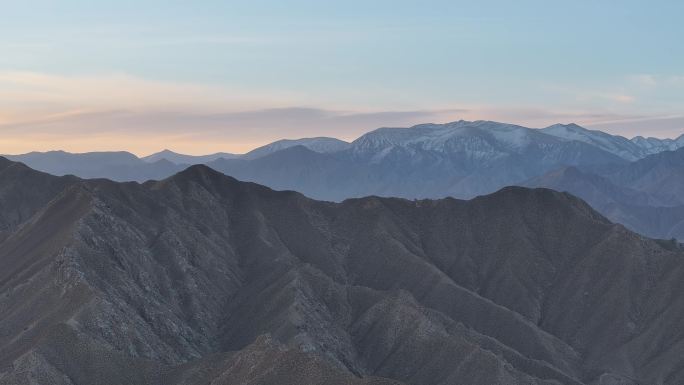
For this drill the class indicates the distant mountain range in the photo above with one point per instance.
(320, 144)
(630, 181)
(631, 150)
(177, 158)
(201, 279)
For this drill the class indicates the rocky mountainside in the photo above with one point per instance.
(23, 192)
(200, 278)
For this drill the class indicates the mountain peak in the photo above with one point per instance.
(4, 162)
(10, 164)
(319, 144)
(567, 126)
(199, 171)
(480, 141)
(183, 159)
(206, 259)
(528, 199)
(615, 144)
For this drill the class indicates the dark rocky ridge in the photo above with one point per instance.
(201, 279)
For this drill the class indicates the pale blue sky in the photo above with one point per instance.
(228, 75)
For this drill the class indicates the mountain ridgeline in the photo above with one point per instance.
(462, 159)
(636, 182)
(201, 279)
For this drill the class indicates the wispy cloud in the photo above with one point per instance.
(123, 112)
(144, 132)
(662, 127)
(599, 97)
(651, 80)
(238, 131)
(644, 80)
(30, 89)
(206, 40)
(612, 97)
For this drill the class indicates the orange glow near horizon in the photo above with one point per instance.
(118, 112)
(15, 146)
(101, 135)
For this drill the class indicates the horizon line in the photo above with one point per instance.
(266, 143)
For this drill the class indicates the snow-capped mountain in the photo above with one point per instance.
(480, 138)
(460, 159)
(656, 145)
(615, 144)
(321, 144)
(480, 141)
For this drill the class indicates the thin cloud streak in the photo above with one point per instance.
(196, 133)
(45, 93)
(144, 132)
(661, 127)
(121, 112)
(650, 80)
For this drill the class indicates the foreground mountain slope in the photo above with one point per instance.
(23, 192)
(201, 278)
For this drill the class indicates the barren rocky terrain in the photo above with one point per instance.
(202, 279)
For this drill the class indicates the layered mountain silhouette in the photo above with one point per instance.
(456, 151)
(635, 182)
(200, 278)
(645, 195)
(183, 159)
(631, 150)
(321, 145)
(635, 209)
(119, 166)
(660, 175)
(461, 159)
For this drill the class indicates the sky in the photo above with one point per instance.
(207, 76)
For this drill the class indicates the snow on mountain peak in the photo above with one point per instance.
(614, 144)
(655, 145)
(447, 137)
